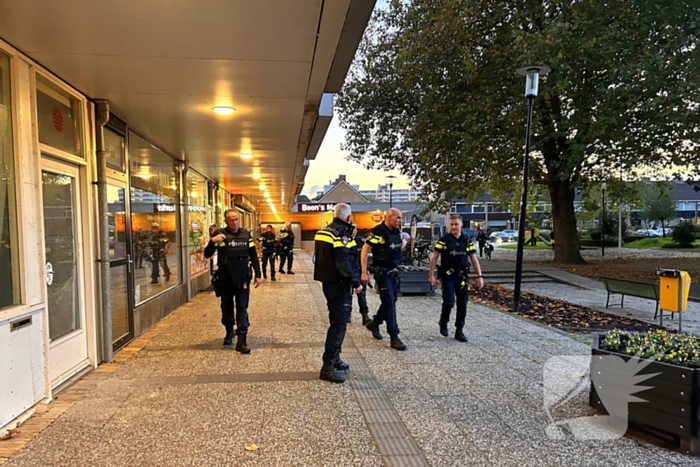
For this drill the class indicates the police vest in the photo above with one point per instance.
(236, 255)
(454, 252)
(386, 247)
(326, 241)
(268, 241)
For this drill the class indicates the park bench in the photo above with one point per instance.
(632, 288)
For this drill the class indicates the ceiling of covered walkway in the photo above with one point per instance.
(164, 64)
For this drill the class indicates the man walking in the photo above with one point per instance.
(455, 250)
(385, 243)
(236, 253)
(286, 238)
(336, 270)
(267, 242)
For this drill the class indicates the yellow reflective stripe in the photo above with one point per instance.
(440, 245)
(376, 240)
(351, 244)
(323, 238)
(327, 234)
(471, 247)
(251, 244)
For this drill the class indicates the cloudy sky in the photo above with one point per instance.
(331, 162)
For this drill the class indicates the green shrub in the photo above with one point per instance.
(684, 234)
(594, 234)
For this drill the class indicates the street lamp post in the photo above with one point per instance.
(532, 75)
(391, 186)
(603, 187)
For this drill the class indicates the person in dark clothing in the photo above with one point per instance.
(286, 238)
(236, 253)
(362, 296)
(481, 238)
(455, 251)
(336, 269)
(386, 244)
(267, 241)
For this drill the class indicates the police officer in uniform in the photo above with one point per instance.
(236, 252)
(455, 251)
(386, 244)
(267, 241)
(286, 238)
(362, 296)
(336, 269)
(160, 244)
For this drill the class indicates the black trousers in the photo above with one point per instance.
(268, 255)
(235, 297)
(362, 299)
(288, 256)
(339, 301)
(388, 285)
(454, 285)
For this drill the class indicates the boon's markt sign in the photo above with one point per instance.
(315, 207)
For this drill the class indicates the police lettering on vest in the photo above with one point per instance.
(454, 252)
(236, 255)
(386, 246)
(268, 240)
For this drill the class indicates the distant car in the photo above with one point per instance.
(471, 233)
(501, 237)
(648, 232)
(513, 233)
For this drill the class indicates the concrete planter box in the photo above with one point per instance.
(672, 408)
(411, 282)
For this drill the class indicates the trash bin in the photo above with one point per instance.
(674, 288)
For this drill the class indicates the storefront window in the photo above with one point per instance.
(155, 223)
(9, 255)
(114, 144)
(58, 117)
(198, 229)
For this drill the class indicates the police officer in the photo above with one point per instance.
(160, 244)
(286, 238)
(455, 250)
(267, 241)
(362, 296)
(386, 244)
(336, 269)
(236, 252)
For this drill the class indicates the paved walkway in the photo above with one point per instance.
(176, 397)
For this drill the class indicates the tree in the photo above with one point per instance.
(371, 199)
(660, 204)
(433, 94)
(302, 199)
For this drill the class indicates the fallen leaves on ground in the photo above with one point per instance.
(10, 434)
(557, 313)
(251, 447)
(635, 269)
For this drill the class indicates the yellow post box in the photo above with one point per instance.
(674, 287)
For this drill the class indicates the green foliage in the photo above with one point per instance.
(433, 93)
(662, 346)
(684, 234)
(660, 203)
(195, 240)
(302, 199)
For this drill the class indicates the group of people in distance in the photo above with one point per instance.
(342, 266)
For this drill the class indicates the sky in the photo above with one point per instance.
(331, 162)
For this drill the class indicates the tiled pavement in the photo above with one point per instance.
(177, 397)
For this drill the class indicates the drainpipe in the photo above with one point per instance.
(185, 231)
(102, 117)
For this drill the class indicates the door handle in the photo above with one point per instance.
(129, 262)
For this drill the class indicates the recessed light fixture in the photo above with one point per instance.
(223, 109)
(256, 176)
(262, 187)
(246, 155)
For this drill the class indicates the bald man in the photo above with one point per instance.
(385, 243)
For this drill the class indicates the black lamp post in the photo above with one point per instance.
(532, 75)
(391, 186)
(603, 187)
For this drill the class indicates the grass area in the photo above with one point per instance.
(653, 243)
(513, 246)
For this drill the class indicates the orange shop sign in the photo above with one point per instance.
(377, 217)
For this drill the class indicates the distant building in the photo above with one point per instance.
(331, 184)
(401, 195)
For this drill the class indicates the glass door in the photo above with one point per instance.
(63, 246)
(120, 264)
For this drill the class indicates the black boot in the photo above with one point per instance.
(328, 373)
(228, 339)
(241, 344)
(459, 335)
(365, 318)
(443, 328)
(397, 344)
(374, 328)
(338, 364)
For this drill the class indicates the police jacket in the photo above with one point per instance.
(268, 240)
(386, 246)
(357, 249)
(336, 254)
(287, 238)
(454, 252)
(235, 255)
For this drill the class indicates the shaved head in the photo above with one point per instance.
(393, 218)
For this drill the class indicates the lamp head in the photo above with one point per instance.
(532, 77)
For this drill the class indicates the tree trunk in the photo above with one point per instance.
(566, 243)
(663, 229)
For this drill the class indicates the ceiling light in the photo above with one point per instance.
(223, 109)
(246, 156)
(262, 187)
(256, 176)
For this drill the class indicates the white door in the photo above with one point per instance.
(68, 348)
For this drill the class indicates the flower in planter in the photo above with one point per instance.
(659, 345)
